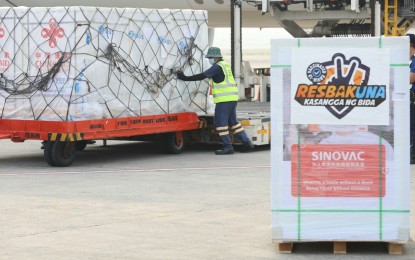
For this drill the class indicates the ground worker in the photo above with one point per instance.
(225, 96)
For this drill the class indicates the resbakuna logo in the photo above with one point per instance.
(340, 85)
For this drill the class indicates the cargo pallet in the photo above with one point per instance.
(340, 247)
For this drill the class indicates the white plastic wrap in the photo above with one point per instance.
(340, 146)
(79, 63)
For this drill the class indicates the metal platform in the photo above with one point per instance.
(253, 107)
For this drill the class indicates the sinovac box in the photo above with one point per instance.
(79, 63)
(340, 146)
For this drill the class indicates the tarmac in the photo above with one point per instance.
(129, 201)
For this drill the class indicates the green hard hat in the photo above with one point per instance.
(214, 52)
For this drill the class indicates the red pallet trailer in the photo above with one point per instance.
(62, 139)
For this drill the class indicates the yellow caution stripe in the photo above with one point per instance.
(262, 132)
(245, 123)
(65, 137)
(202, 124)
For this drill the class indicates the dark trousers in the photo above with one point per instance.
(225, 117)
(412, 128)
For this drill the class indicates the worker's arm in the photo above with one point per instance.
(200, 76)
(412, 77)
(412, 72)
(215, 72)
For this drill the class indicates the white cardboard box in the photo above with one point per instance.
(338, 171)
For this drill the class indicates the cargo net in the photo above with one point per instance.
(80, 63)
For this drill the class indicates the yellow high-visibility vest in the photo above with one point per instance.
(227, 90)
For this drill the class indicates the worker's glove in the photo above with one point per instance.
(181, 76)
(199, 76)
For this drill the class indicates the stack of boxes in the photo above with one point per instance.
(81, 63)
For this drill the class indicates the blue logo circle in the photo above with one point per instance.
(316, 72)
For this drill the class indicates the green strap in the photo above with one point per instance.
(342, 210)
(281, 66)
(399, 65)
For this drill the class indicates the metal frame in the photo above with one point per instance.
(21, 130)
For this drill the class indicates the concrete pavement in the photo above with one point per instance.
(129, 201)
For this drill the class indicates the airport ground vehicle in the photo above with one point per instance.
(62, 140)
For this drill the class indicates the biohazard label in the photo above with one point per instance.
(338, 170)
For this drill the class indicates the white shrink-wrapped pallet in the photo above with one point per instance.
(11, 34)
(81, 63)
(340, 146)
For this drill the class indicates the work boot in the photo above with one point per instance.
(247, 147)
(224, 150)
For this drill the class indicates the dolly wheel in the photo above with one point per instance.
(174, 143)
(81, 145)
(47, 152)
(64, 153)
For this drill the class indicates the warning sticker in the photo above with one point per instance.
(353, 170)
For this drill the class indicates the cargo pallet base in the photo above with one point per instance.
(340, 247)
(61, 140)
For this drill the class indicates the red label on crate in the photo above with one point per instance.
(338, 170)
